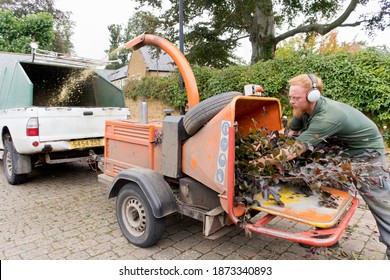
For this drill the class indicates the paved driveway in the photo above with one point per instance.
(63, 213)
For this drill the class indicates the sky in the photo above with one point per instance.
(92, 17)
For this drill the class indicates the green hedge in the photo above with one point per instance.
(361, 80)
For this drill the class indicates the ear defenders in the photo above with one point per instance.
(314, 94)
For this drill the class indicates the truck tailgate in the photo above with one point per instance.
(67, 123)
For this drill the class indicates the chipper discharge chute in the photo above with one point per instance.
(186, 164)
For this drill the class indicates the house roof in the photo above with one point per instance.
(114, 75)
(118, 73)
(163, 63)
(105, 73)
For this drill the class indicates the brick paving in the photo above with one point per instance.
(63, 213)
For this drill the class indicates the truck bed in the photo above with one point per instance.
(52, 113)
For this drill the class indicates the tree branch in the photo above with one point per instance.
(323, 28)
(241, 37)
(353, 24)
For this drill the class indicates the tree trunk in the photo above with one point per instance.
(262, 32)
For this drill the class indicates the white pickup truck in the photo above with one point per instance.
(52, 113)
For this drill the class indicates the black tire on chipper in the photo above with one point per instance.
(203, 112)
(144, 199)
(136, 219)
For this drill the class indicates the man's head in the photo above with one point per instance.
(300, 86)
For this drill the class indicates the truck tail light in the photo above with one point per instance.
(32, 127)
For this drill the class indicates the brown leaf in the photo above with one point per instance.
(346, 166)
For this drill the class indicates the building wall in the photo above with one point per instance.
(159, 74)
(137, 67)
(121, 83)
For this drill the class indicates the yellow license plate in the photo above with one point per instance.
(86, 143)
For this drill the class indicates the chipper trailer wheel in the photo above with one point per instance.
(203, 112)
(136, 219)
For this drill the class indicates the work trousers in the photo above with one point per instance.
(377, 197)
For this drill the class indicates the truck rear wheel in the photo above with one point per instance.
(9, 158)
(136, 219)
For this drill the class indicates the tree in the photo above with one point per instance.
(63, 25)
(216, 26)
(16, 34)
(115, 52)
(326, 44)
(139, 23)
(329, 44)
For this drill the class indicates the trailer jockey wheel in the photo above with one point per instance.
(136, 219)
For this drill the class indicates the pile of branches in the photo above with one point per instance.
(324, 165)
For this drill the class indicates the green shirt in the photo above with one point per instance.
(341, 123)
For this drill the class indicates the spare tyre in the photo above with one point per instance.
(203, 112)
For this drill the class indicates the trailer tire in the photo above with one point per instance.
(9, 159)
(203, 112)
(136, 219)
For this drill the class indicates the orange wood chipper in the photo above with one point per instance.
(185, 164)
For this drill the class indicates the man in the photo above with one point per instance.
(317, 118)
